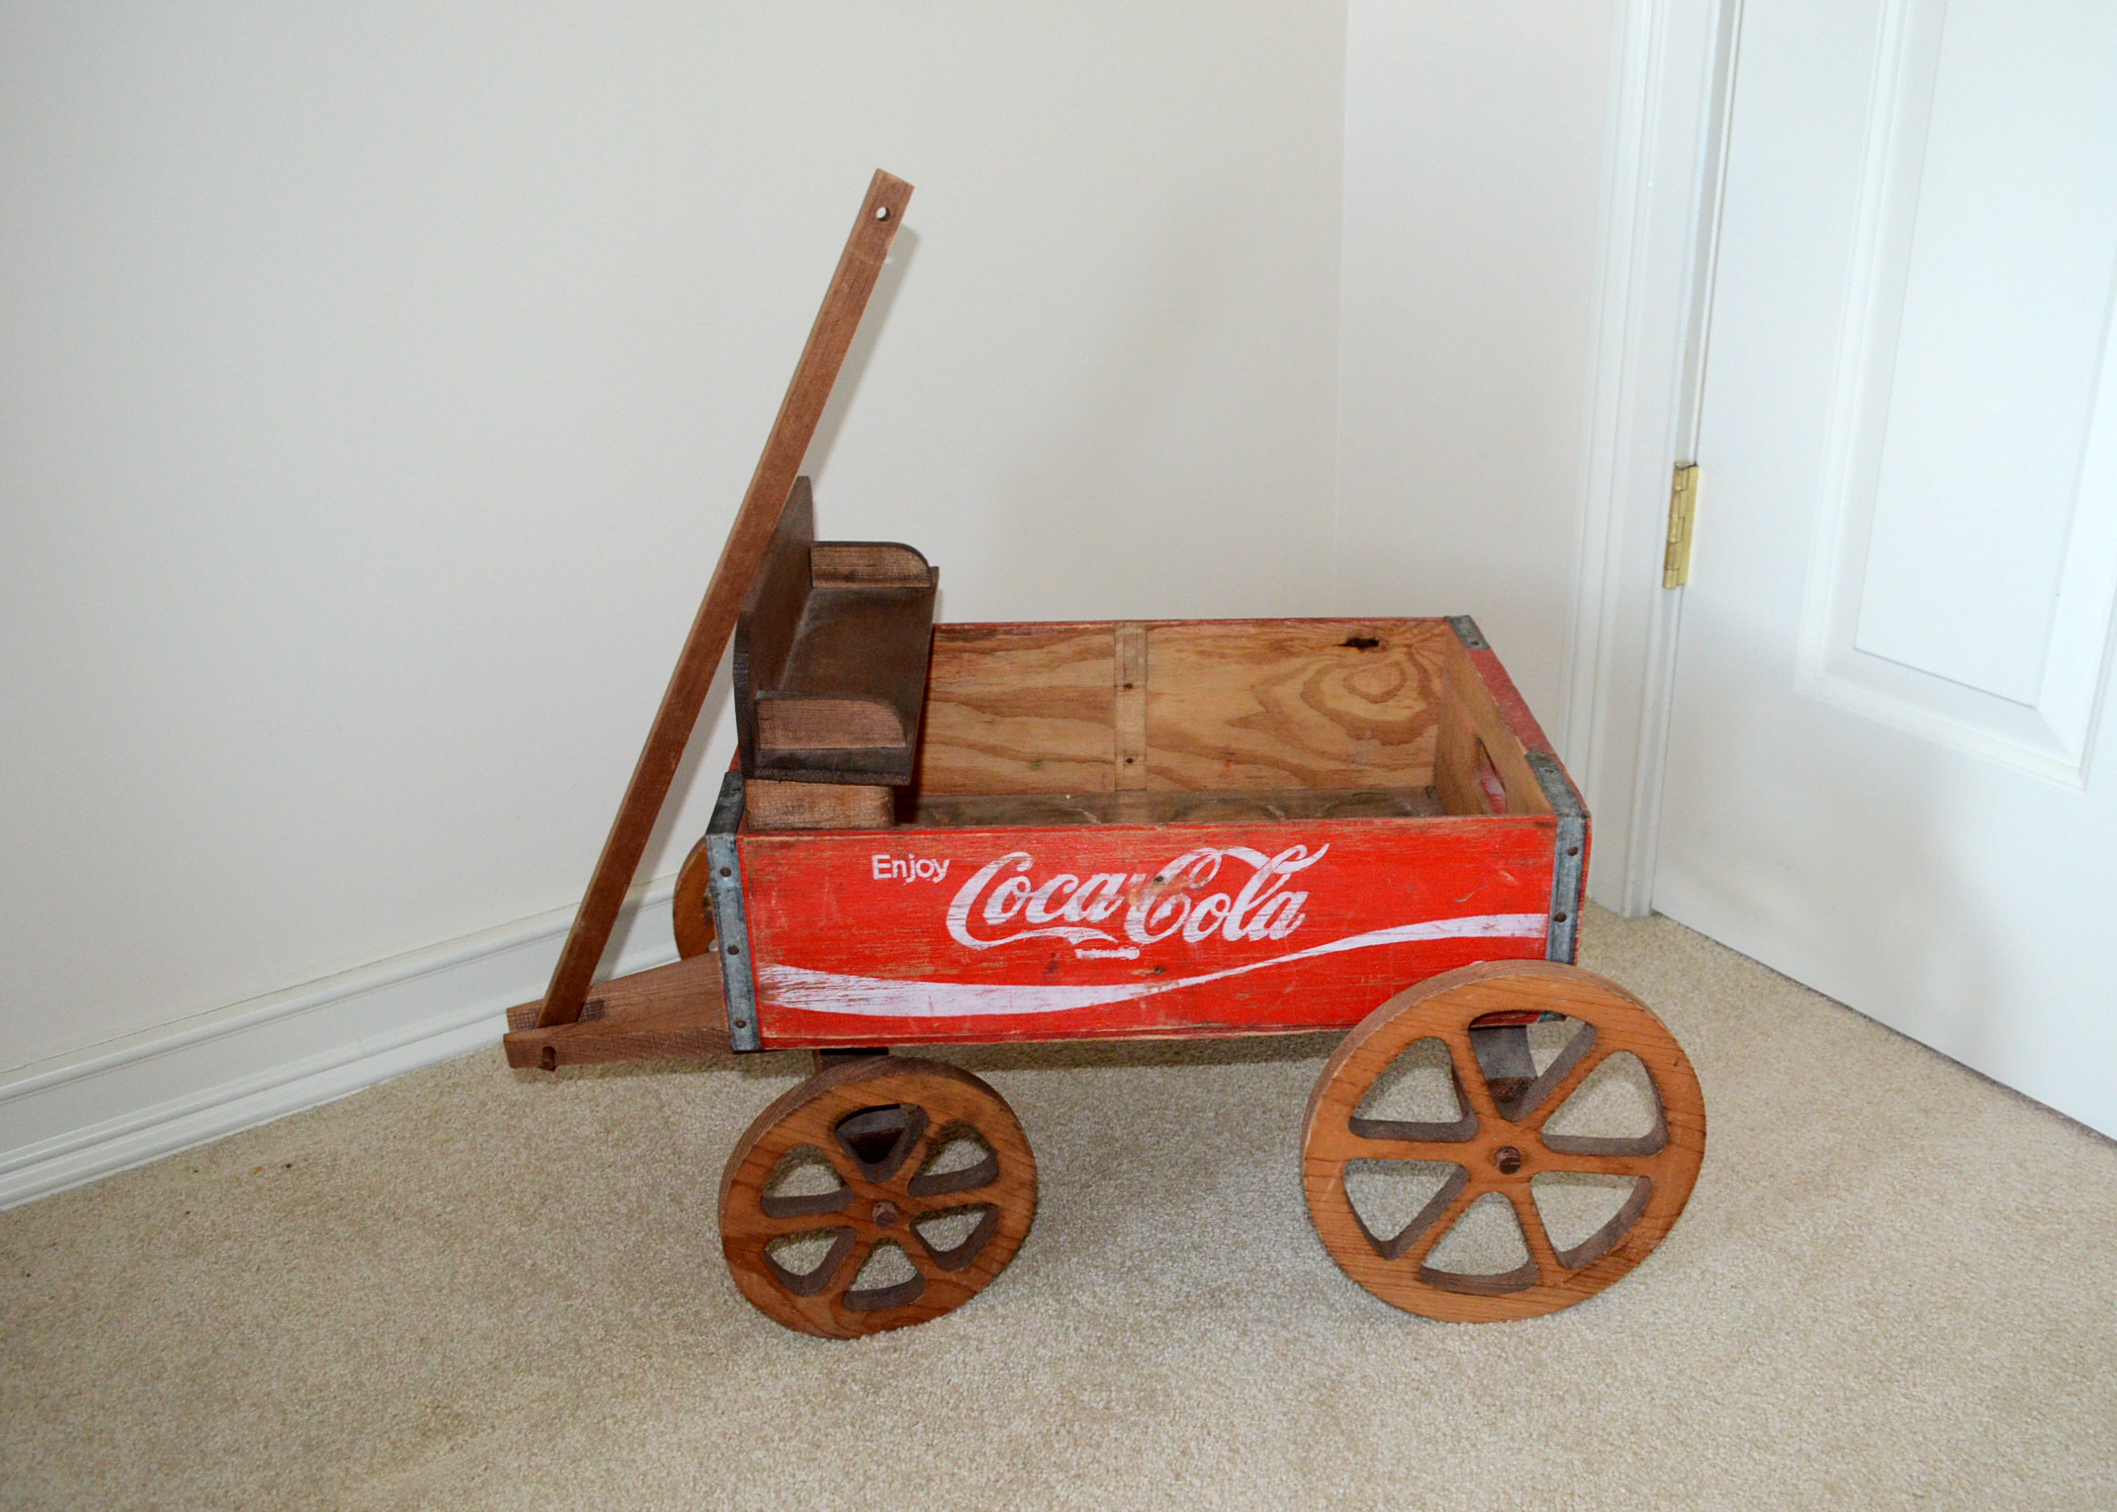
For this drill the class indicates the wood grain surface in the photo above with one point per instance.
(1204, 705)
(675, 1012)
(790, 724)
(830, 670)
(987, 810)
(1474, 724)
(866, 249)
(867, 564)
(1018, 709)
(771, 612)
(1500, 1146)
(1292, 703)
(772, 806)
(691, 908)
(882, 1197)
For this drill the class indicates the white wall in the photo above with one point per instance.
(377, 383)
(1474, 146)
(376, 386)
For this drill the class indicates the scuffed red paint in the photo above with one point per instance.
(896, 908)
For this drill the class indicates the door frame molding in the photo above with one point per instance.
(1671, 85)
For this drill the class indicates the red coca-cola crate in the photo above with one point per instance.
(1166, 829)
(952, 834)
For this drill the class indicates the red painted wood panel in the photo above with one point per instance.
(1514, 709)
(927, 936)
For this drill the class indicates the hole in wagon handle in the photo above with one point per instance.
(881, 212)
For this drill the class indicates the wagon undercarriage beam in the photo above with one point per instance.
(675, 1012)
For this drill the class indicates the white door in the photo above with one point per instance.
(1892, 770)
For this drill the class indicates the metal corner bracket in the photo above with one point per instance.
(731, 931)
(1569, 863)
(1467, 632)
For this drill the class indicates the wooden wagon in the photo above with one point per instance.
(951, 834)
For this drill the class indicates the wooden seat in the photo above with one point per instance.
(830, 656)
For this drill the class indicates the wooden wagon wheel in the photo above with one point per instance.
(1498, 1143)
(877, 1125)
(692, 909)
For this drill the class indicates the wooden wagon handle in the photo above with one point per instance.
(748, 539)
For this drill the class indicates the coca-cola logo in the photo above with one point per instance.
(1114, 914)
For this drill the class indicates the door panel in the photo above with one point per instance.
(1964, 575)
(1882, 776)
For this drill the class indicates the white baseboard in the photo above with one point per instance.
(69, 1120)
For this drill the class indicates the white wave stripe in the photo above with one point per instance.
(882, 997)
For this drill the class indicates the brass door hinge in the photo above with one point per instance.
(1683, 506)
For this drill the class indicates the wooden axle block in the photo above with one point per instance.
(816, 805)
(675, 1012)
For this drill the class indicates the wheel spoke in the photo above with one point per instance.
(1542, 1252)
(919, 1209)
(1470, 1077)
(849, 1267)
(1612, 1230)
(809, 1283)
(809, 1206)
(942, 1184)
(1576, 1163)
(1579, 1069)
(1596, 1148)
(964, 1251)
(882, 1299)
(801, 1207)
(1417, 1241)
(1339, 1144)
(1556, 1082)
(755, 1223)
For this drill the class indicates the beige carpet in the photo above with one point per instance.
(1896, 1286)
